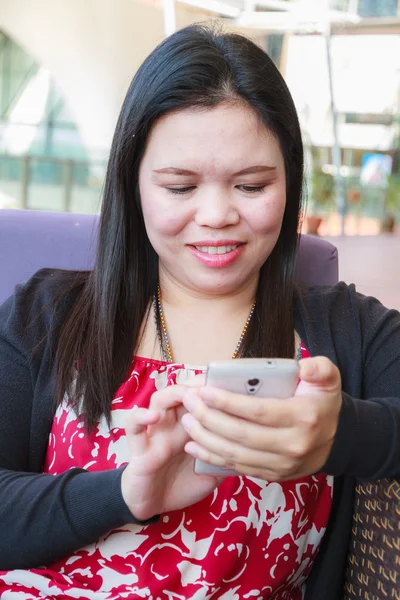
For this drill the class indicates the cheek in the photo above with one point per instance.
(161, 217)
(165, 224)
(267, 216)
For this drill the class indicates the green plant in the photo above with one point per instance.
(323, 189)
(392, 197)
(321, 198)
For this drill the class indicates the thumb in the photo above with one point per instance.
(319, 371)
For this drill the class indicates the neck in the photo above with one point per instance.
(174, 295)
(218, 323)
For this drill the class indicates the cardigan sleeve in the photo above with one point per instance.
(42, 517)
(367, 442)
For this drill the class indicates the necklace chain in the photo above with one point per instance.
(163, 333)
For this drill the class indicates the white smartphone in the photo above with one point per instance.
(261, 377)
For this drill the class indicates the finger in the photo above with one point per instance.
(180, 411)
(169, 397)
(242, 431)
(169, 426)
(296, 439)
(169, 402)
(274, 412)
(274, 469)
(271, 470)
(318, 369)
(166, 421)
(232, 451)
(136, 428)
(172, 394)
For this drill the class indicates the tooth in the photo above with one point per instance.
(216, 249)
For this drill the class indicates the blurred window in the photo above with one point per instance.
(369, 118)
(274, 47)
(377, 8)
(44, 162)
(368, 8)
(34, 118)
(340, 5)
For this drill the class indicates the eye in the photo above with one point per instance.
(251, 189)
(182, 190)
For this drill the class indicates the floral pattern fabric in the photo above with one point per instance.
(249, 539)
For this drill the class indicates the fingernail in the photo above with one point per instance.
(190, 399)
(207, 395)
(308, 368)
(187, 421)
(191, 448)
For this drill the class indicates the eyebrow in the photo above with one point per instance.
(186, 172)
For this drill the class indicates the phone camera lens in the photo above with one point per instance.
(253, 382)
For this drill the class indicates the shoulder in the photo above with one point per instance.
(321, 297)
(340, 299)
(39, 306)
(341, 313)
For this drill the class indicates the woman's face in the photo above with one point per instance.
(213, 193)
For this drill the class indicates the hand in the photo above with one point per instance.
(272, 439)
(160, 476)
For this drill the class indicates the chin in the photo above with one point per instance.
(222, 287)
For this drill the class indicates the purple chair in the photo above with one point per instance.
(30, 240)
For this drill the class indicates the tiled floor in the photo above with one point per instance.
(373, 264)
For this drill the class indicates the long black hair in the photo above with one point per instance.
(198, 66)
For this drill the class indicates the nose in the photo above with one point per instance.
(216, 209)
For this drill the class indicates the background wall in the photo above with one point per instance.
(92, 48)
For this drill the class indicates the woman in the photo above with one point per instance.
(195, 262)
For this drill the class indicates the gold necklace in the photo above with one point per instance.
(163, 334)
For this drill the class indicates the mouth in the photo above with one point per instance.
(217, 249)
(217, 254)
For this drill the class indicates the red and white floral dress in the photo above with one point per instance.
(249, 539)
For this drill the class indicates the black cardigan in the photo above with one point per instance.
(46, 517)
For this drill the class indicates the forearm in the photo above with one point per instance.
(367, 443)
(46, 517)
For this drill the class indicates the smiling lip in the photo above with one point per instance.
(232, 250)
